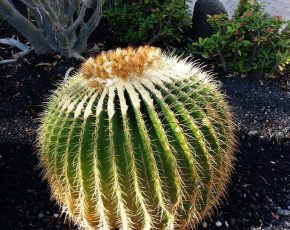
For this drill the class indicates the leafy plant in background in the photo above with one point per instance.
(52, 25)
(137, 22)
(251, 42)
(137, 140)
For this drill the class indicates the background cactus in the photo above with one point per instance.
(137, 140)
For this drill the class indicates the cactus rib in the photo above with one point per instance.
(137, 139)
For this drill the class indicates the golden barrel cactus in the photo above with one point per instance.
(137, 139)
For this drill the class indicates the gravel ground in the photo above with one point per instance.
(258, 195)
(23, 89)
(261, 108)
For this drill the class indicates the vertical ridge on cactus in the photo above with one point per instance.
(138, 139)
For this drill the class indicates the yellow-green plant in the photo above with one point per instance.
(138, 139)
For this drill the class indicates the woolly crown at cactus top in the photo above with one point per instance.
(137, 139)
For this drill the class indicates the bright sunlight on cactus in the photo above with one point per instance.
(138, 139)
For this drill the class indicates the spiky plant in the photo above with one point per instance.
(137, 140)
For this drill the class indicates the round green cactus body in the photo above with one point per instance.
(137, 140)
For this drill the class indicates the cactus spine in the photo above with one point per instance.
(137, 140)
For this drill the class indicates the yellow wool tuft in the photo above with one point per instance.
(120, 63)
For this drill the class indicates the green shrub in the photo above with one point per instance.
(145, 22)
(137, 140)
(251, 42)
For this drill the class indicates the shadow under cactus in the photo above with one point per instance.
(260, 186)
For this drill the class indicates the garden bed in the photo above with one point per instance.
(261, 108)
(259, 193)
(260, 183)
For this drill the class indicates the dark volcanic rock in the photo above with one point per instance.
(258, 195)
(24, 87)
(260, 108)
(203, 8)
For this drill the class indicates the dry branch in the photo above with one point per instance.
(17, 44)
(59, 26)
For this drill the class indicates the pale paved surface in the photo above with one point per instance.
(273, 7)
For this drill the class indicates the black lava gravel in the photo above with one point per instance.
(258, 196)
(261, 108)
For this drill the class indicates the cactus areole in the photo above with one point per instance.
(137, 139)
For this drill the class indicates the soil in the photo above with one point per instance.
(258, 196)
(23, 89)
(261, 108)
(25, 84)
(260, 185)
(259, 190)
